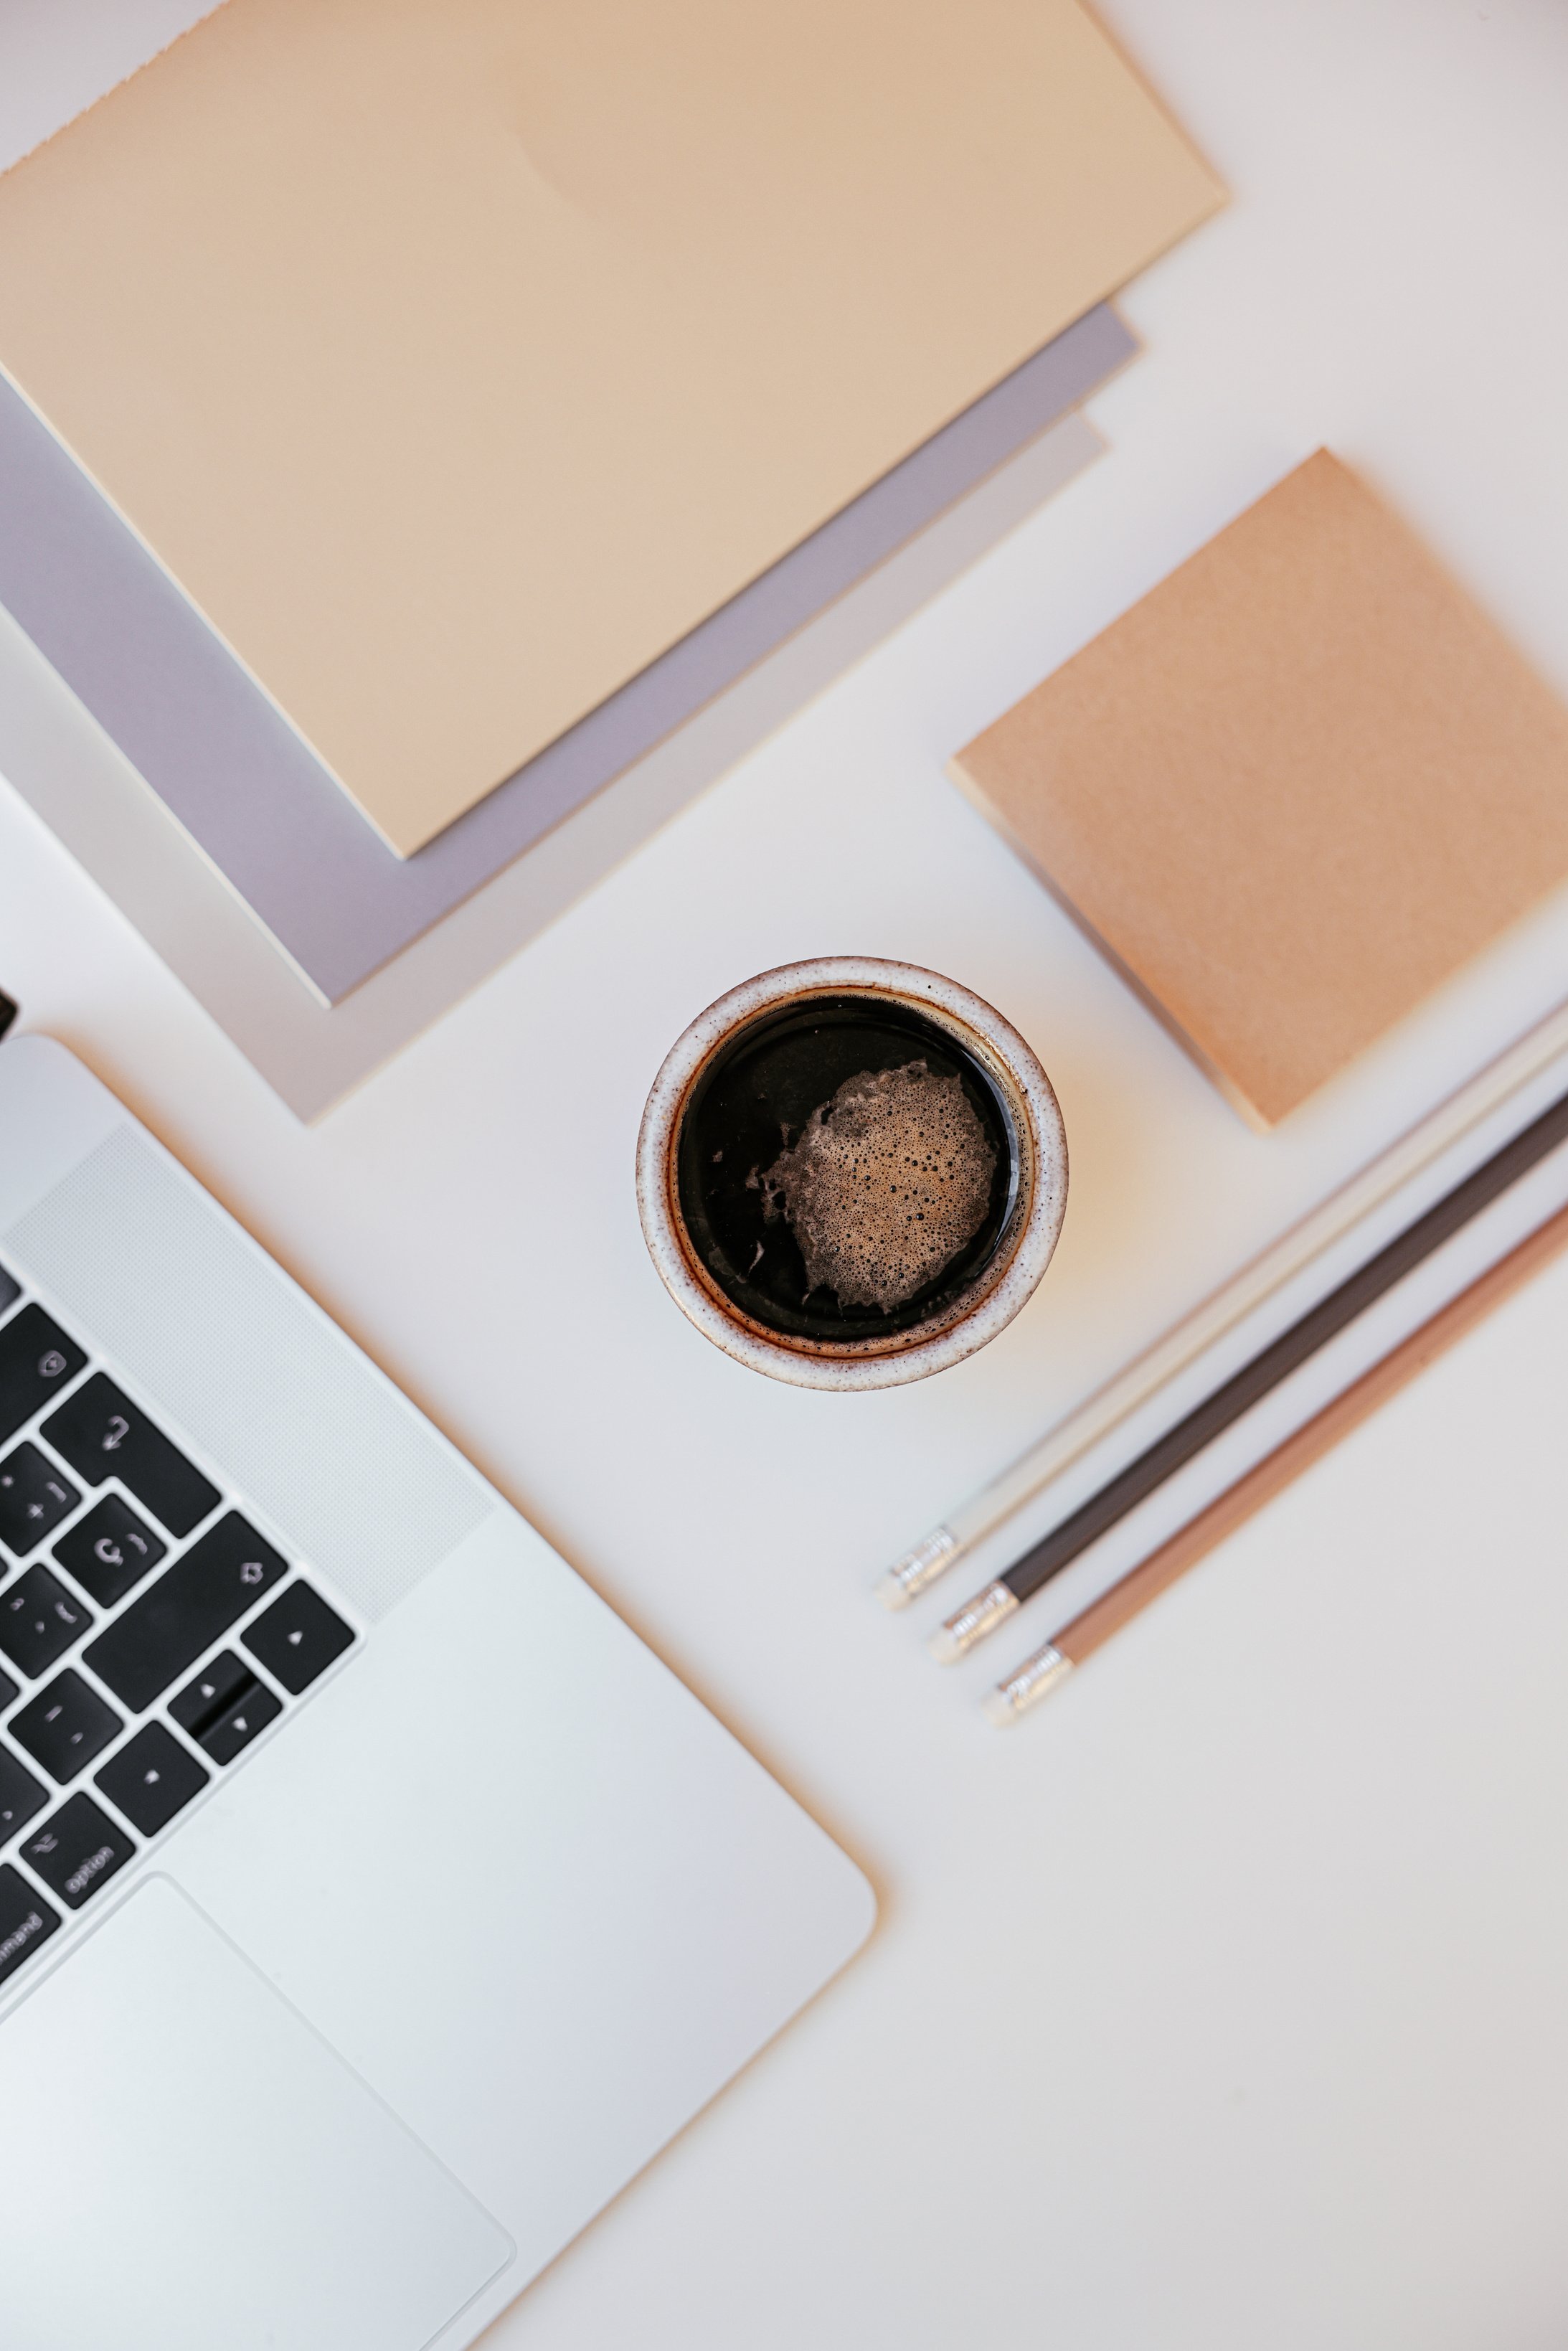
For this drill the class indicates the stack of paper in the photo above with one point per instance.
(478, 388)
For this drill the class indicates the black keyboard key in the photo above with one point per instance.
(240, 1721)
(39, 1619)
(201, 1701)
(21, 1796)
(109, 1550)
(25, 1920)
(65, 1725)
(298, 1637)
(103, 1435)
(37, 1360)
(8, 1689)
(10, 1289)
(152, 1779)
(78, 1850)
(185, 1611)
(34, 1499)
(224, 1707)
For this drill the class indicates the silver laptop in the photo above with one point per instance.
(372, 1904)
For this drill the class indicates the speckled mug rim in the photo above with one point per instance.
(1003, 1287)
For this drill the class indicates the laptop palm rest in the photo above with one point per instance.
(245, 2186)
(517, 1876)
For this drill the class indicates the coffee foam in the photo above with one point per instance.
(885, 1185)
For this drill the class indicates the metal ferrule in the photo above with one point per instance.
(909, 1576)
(983, 1615)
(1035, 1679)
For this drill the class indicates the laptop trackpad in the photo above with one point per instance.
(244, 2186)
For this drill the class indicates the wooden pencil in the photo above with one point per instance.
(1095, 1625)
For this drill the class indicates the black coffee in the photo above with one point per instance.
(845, 1169)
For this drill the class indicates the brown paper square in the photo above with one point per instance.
(1291, 791)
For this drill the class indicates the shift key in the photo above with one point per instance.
(184, 1612)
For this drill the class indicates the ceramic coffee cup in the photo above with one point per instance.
(851, 1173)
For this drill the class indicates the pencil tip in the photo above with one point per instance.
(909, 1576)
(980, 1616)
(1034, 1679)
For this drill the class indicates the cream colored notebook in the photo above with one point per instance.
(459, 356)
(1290, 792)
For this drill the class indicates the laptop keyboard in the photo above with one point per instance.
(149, 1633)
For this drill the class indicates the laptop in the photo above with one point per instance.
(373, 1904)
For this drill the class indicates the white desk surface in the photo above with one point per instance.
(1220, 2004)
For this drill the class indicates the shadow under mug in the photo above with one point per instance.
(752, 1069)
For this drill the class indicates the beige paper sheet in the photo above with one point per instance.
(1291, 791)
(458, 356)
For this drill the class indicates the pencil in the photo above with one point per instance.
(991, 1608)
(1094, 1626)
(979, 1517)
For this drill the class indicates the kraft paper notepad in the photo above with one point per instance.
(1291, 791)
(457, 357)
